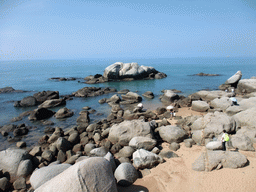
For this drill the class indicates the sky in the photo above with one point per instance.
(77, 29)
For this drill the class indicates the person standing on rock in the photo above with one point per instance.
(224, 139)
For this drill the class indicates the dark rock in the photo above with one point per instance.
(9, 90)
(49, 129)
(46, 95)
(40, 113)
(4, 184)
(26, 102)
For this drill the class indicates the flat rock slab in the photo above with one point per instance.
(210, 160)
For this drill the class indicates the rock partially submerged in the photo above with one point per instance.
(125, 72)
(9, 90)
(206, 74)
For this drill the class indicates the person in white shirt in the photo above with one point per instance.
(223, 140)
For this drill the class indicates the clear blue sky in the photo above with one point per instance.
(75, 29)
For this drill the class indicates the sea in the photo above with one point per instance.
(32, 76)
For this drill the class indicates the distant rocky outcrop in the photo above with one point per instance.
(63, 78)
(206, 74)
(125, 72)
(9, 90)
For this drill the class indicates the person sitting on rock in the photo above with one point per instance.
(138, 108)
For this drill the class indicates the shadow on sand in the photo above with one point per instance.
(132, 188)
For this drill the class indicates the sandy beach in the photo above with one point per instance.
(176, 174)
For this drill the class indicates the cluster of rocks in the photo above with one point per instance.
(39, 98)
(14, 132)
(126, 144)
(63, 78)
(125, 72)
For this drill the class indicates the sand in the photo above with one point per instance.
(176, 174)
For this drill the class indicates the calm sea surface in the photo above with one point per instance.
(33, 76)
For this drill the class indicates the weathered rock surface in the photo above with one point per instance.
(171, 133)
(210, 95)
(242, 142)
(130, 98)
(247, 85)
(225, 159)
(122, 133)
(232, 81)
(148, 94)
(169, 96)
(119, 71)
(63, 113)
(44, 174)
(95, 172)
(214, 123)
(125, 174)
(52, 103)
(142, 143)
(246, 118)
(93, 91)
(200, 106)
(221, 103)
(214, 145)
(11, 159)
(145, 159)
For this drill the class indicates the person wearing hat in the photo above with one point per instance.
(170, 107)
(138, 108)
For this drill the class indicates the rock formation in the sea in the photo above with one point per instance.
(9, 90)
(206, 74)
(231, 82)
(37, 99)
(125, 72)
(63, 78)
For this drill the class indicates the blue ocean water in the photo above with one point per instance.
(33, 76)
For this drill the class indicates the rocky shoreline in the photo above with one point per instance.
(124, 146)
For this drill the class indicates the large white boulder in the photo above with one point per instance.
(145, 159)
(92, 174)
(214, 123)
(121, 70)
(125, 174)
(200, 106)
(12, 159)
(142, 143)
(221, 103)
(247, 85)
(44, 174)
(246, 118)
(171, 133)
(234, 79)
(122, 133)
